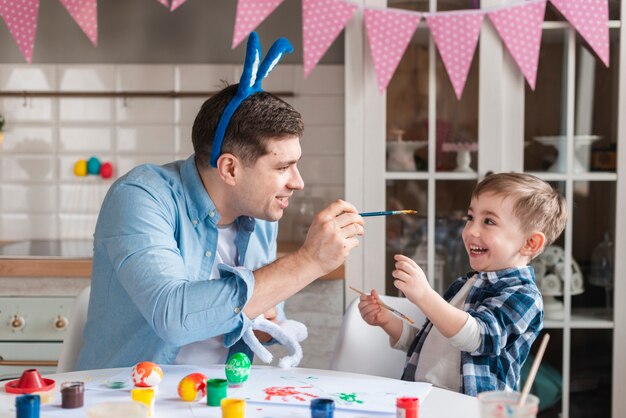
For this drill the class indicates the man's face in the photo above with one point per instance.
(493, 236)
(264, 188)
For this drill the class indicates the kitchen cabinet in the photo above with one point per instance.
(567, 132)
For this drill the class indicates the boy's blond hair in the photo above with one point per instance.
(536, 204)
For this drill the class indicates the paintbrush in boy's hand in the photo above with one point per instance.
(400, 314)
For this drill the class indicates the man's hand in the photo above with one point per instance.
(332, 235)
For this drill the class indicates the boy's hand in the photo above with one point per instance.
(372, 312)
(410, 279)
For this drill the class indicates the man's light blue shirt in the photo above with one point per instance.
(154, 248)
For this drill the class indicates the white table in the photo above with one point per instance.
(438, 404)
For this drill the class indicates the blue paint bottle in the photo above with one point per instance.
(27, 406)
(322, 408)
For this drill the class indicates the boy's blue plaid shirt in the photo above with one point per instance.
(509, 310)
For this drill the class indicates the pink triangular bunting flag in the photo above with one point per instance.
(389, 32)
(590, 18)
(176, 4)
(456, 35)
(250, 14)
(85, 13)
(519, 26)
(164, 3)
(21, 18)
(322, 21)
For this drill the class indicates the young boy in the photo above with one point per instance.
(478, 335)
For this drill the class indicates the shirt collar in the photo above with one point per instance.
(199, 204)
(492, 276)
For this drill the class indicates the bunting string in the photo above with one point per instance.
(389, 31)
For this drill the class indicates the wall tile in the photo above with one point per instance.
(84, 196)
(21, 198)
(145, 78)
(209, 78)
(28, 139)
(137, 110)
(128, 163)
(184, 145)
(189, 109)
(27, 168)
(151, 139)
(86, 77)
(28, 226)
(31, 109)
(84, 139)
(77, 226)
(85, 110)
(27, 77)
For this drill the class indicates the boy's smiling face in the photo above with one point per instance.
(493, 236)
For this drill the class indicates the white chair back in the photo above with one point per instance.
(362, 348)
(73, 341)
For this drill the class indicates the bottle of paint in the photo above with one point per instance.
(322, 408)
(72, 395)
(27, 406)
(407, 407)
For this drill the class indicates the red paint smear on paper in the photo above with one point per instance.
(286, 393)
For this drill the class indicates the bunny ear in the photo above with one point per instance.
(251, 65)
(276, 52)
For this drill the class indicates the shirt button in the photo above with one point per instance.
(208, 253)
(195, 222)
(211, 214)
(237, 309)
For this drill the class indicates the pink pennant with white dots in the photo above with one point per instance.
(21, 18)
(456, 34)
(250, 14)
(519, 26)
(85, 13)
(322, 21)
(389, 32)
(176, 4)
(590, 18)
(165, 3)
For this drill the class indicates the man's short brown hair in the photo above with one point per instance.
(260, 117)
(537, 204)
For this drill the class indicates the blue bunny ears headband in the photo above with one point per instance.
(250, 83)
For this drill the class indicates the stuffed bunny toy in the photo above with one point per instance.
(288, 333)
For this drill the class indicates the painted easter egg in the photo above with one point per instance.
(106, 170)
(147, 374)
(80, 168)
(238, 369)
(93, 166)
(191, 386)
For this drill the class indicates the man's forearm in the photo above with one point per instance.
(279, 280)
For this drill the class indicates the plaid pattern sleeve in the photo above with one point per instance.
(509, 310)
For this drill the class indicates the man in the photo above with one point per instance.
(184, 253)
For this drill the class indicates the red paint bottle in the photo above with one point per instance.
(407, 407)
